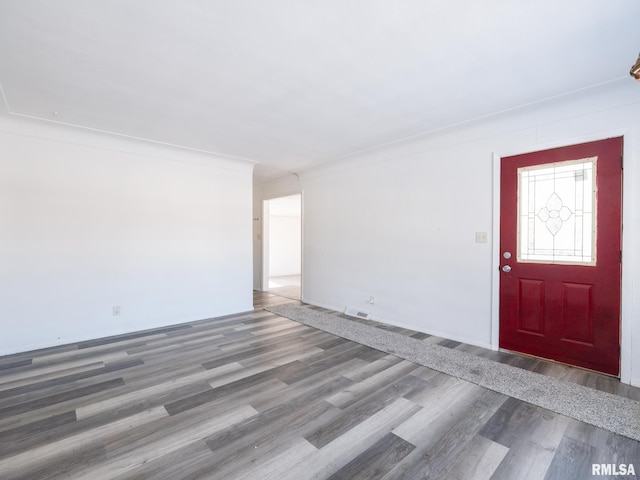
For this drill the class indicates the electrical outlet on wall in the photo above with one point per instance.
(116, 310)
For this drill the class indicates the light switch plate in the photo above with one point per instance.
(481, 237)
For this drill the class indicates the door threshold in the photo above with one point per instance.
(557, 362)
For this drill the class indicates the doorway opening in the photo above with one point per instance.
(282, 256)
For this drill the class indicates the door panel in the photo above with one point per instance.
(560, 239)
(577, 309)
(531, 306)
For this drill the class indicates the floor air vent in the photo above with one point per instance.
(352, 312)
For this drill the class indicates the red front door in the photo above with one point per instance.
(560, 263)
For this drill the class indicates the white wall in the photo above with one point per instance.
(284, 245)
(89, 221)
(399, 223)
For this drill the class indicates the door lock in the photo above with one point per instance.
(506, 268)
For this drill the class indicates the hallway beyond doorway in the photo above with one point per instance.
(285, 286)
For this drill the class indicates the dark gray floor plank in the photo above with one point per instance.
(261, 353)
(263, 435)
(43, 402)
(449, 343)
(372, 385)
(572, 460)
(305, 383)
(360, 411)
(187, 463)
(376, 461)
(372, 355)
(42, 385)
(514, 419)
(15, 364)
(443, 440)
(215, 394)
(531, 454)
(419, 335)
(13, 440)
(331, 343)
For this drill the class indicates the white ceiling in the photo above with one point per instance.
(292, 84)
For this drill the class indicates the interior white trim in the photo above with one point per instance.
(495, 256)
(302, 246)
(265, 245)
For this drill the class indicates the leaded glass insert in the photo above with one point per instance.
(556, 212)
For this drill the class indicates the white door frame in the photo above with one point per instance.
(265, 240)
(265, 245)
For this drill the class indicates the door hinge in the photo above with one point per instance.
(620, 256)
(621, 162)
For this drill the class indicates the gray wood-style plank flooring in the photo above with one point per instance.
(258, 396)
